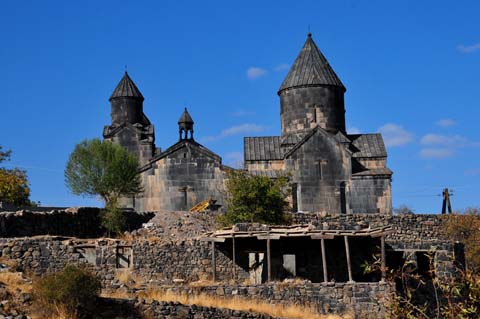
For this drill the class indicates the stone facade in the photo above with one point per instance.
(330, 170)
(177, 265)
(82, 222)
(178, 178)
(168, 310)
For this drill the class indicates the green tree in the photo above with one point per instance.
(14, 188)
(104, 169)
(72, 291)
(255, 199)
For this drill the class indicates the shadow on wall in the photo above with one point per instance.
(83, 222)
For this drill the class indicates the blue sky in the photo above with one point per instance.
(411, 68)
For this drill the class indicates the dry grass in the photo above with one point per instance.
(15, 282)
(242, 304)
(60, 313)
(125, 276)
(116, 294)
(10, 263)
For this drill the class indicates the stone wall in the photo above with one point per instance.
(184, 262)
(185, 174)
(413, 234)
(151, 309)
(83, 222)
(371, 194)
(362, 298)
(419, 231)
(166, 262)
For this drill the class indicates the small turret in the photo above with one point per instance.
(185, 125)
(127, 103)
(311, 94)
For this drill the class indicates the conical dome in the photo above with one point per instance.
(126, 88)
(310, 68)
(185, 118)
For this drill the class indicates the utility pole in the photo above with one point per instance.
(446, 201)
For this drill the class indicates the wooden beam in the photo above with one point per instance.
(214, 263)
(324, 261)
(266, 237)
(325, 236)
(269, 261)
(233, 259)
(213, 239)
(349, 263)
(384, 267)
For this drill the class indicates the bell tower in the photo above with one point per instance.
(130, 127)
(185, 126)
(311, 94)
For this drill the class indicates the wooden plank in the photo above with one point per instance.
(384, 267)
(266, 237)
(213, 239)
(234, 275)
(324, 261)
(349, 263)
(214, 263)
(320, 236)
(269, 261)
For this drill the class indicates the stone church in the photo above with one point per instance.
(329, 170)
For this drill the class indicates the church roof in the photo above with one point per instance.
(262, 148)
(368, 145)
(126, 88)
(310, 68)
(185, 118)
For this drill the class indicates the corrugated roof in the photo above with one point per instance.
(310, 68)
(368, 145)
(126, 88)
(262, 148)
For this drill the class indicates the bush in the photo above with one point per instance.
(73, 291)
(255, 199)
(465, 228)
(113, 219)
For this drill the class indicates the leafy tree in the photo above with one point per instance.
(14, 188)
(72, 291)
(255, 199)
(104, 169)
(4, 155)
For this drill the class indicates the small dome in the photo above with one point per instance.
(185, 118)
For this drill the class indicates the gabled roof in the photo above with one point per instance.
(262, 148)
(368, 145)
(310, 68)
(126, 88)
(292, 139)
(179, 145)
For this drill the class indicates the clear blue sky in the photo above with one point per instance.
(411, 68)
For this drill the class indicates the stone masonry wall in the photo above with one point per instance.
(182, 263)
(83, 222)
(362, 298)
(151, 309)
